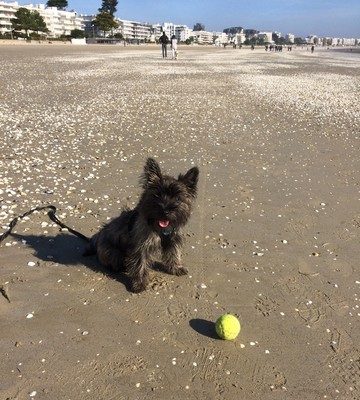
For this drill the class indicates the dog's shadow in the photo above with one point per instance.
(66, 249)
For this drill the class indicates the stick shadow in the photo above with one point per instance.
(66, 250)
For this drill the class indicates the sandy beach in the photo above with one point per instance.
(273, 239)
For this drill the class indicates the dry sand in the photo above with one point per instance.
(274, 237)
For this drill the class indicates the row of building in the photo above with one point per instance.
(331, 41)
(61, 23)
(58, 22)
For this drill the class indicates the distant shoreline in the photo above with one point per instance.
(347, 49)
(350, 49)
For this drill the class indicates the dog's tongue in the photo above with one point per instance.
(164, 223)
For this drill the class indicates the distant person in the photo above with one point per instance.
(174, 44)
(164, 40)
(312, 48)
(252, 47)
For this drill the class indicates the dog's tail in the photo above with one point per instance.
(52, 216)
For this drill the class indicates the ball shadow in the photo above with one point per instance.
(204, 327)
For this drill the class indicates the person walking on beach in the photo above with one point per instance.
(312, 48)
(174, 44)
(164, 41)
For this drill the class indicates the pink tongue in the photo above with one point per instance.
(164, 224)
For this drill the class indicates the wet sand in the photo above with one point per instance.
(274, 237)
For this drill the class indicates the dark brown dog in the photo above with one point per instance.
(133, 241)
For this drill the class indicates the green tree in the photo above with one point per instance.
(26, 20)
(60, 4)
(39, 23)
(119, 36)
(299, 40)
(108, 6)
(77, 34)
(199, 27)
(105, 22)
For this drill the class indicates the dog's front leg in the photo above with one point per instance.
(171, 257)
(137, 269)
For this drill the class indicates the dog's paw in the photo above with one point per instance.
(179, 271)
(138, 286)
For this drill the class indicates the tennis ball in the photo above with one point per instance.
(227, 327)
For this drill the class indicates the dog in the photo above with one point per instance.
(132, 242)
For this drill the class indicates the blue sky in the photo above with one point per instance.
(302, 17)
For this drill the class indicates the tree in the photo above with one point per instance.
(119, 36)
(105, 22)
(108, 6)
(39, 23)
(299, 40)
(199, 27)
(77, 34)
(60, 4)
(26, 20)
(233, 30)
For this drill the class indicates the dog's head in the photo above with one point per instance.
(166, 202)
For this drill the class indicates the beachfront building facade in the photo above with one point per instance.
(58, 22)
(290, 38)
(183, 33)
(266, 36)
(220, 38)
(203, 37)
(134, 31)
(169, 28)
(7, 13)
(347, 42)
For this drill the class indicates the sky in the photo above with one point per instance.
(336, 18)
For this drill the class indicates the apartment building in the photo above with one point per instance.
(58, 22)
(133, 31)
(220, 38)
(183, 32)
(203, 37)
(290, 38)
(7, 12)
(266, 36)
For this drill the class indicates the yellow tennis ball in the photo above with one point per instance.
(227, 327)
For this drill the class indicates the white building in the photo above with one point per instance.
(239, 38)
(290, 38)
(220, 38)
(7, 12)
(58, 22)
(169, 28)
(183, 32)
(347, 41)
(204, 37)
(311, 39)
(266, 36)
(132, 30)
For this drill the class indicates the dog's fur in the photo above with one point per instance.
(131, 242)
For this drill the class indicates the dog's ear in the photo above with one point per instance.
(152, 173)
(190, 179)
